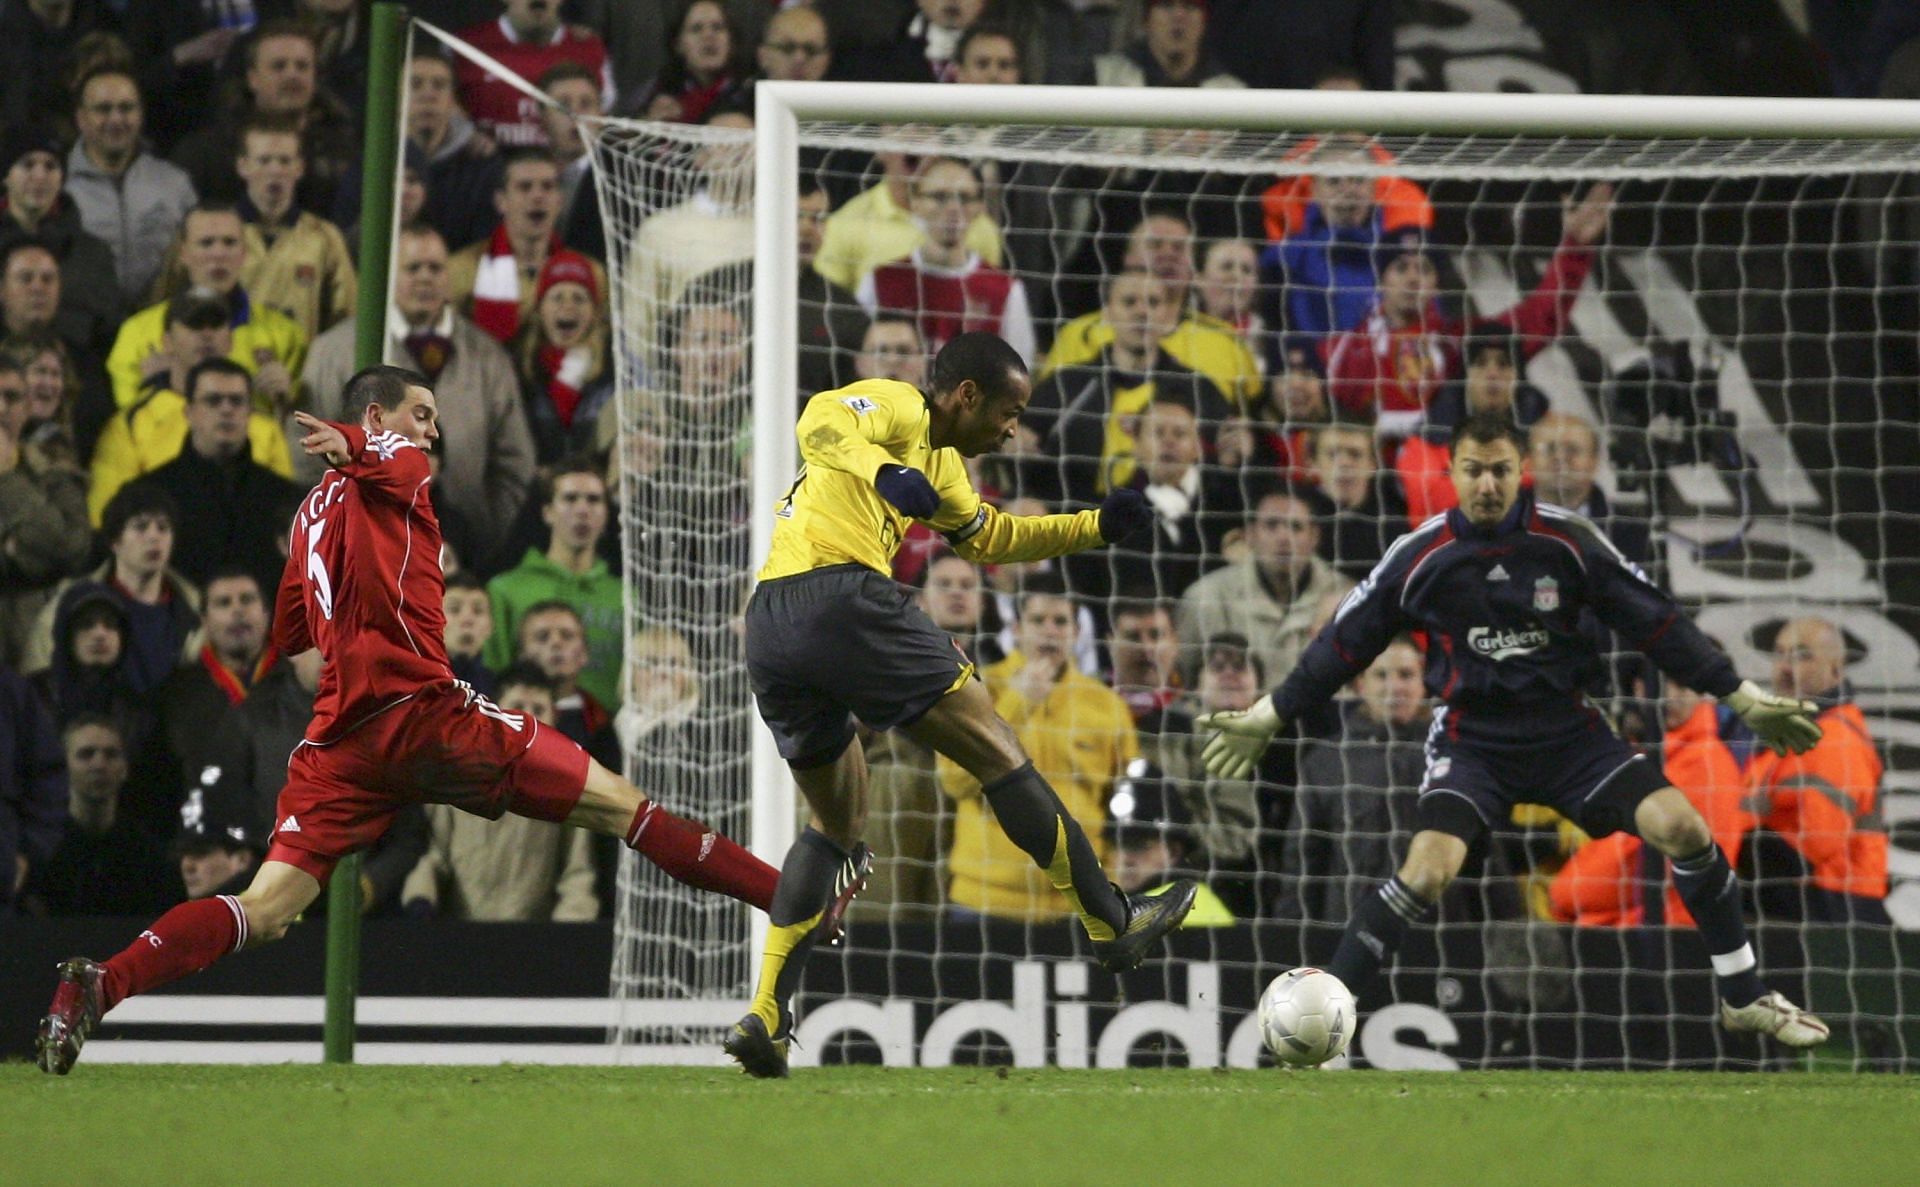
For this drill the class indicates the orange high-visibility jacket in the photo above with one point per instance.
(1826, 804)
(1594, 888)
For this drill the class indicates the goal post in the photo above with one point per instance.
(776, 332)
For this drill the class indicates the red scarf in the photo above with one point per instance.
(565, 370)
(224, 679)
(1143, 701)
(496, 287)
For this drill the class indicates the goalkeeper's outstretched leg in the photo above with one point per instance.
(1669, 822)
(1665, 819)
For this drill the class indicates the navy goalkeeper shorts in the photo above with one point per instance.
(1571, 762)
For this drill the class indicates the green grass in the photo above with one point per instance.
(371, 1126)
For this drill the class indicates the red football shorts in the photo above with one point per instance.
(448, 745)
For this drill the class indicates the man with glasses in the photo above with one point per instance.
(796, 46)
(878, 226)
(942, 283)
(126, 196)
(892, 349)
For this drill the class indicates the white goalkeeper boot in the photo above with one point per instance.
(1772, 1014)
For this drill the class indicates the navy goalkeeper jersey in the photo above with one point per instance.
(1509, 612)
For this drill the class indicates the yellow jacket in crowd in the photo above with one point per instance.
(307, 274)
(145, 437)
(1199, 343)
(256, 327)
(1080, 737)
(871, 230)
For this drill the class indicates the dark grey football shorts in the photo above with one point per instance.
(826, 646)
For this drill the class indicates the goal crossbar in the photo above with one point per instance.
(1411, 112)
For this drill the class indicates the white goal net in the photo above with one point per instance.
(1708, 339)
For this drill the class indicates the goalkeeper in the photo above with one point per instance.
(831, 637)
(1505, 588)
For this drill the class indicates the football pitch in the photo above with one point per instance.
(981, 1126)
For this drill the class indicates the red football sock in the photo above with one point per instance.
(185, 940)
(700, 857)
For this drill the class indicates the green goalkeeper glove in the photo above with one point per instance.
(1781, 723)
(1240, 739)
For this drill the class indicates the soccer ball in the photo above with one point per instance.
(1306, 1017)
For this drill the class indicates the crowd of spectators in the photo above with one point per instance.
(1273, 361)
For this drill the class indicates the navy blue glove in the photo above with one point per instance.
(907, 489)
(1122, 513)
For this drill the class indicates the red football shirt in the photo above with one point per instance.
(1393, 372)
(363, 584)
(500, 108)
(948, 302)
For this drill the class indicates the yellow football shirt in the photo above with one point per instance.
(832, 515)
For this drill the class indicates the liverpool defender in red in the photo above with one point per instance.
(391, 726)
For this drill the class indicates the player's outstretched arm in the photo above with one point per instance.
(1240, 738)
(990, 536)
(1781, 723)
(1625, 599)
(323, 439)
(1367, 620)
(1124, 513)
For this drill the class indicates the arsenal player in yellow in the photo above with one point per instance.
(831, 637)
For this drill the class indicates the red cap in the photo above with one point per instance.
(567, 267)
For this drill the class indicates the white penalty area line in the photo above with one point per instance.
(127, 1051)
(184, 1009)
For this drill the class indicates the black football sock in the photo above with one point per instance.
(1712, 894)
(1374, 933)
(799, 898)
(1033, 818)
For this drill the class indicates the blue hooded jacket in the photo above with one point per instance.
(1322, 278)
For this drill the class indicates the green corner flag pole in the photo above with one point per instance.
(378, 165)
